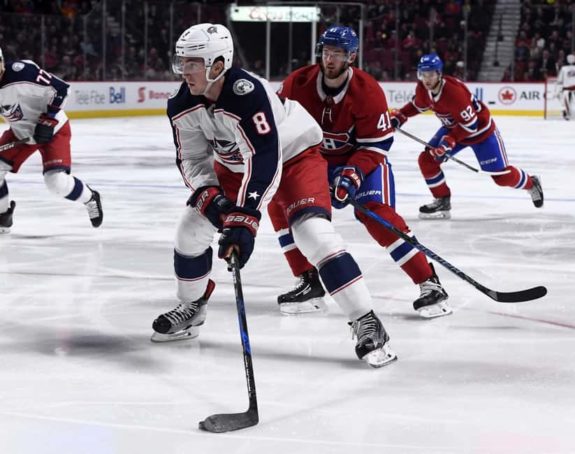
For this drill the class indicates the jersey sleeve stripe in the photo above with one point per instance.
(187, 111)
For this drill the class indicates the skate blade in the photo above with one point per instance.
(438, 215)
(190, 333)
(305, 307)
(380, 357)
(435, 310)
(4, 230)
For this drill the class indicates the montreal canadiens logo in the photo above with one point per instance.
(336, 143)
(507, 95)
(243, 87)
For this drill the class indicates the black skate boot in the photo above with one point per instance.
(536, 192)
(372, 341)
(94, 206)
(306, 297)
(438, 209)
(431, 303)
(6, 218)
(184, 321)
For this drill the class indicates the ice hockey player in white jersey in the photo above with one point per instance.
(31, 101)
(238, 147)
(565, 87)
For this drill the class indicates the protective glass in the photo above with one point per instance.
(428, 76)
(338, 55)
(186, 65)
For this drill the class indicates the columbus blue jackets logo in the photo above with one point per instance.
(11, 112)
(243, 87)
(18, 66)
(227, 151)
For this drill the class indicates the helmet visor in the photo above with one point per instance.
(187, 65)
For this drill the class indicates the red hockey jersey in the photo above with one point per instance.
(467, 118)
(355, 122)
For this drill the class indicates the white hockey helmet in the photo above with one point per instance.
(208, 42)
(570, 58)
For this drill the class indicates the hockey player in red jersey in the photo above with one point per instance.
(239, 147)
(352, 111)
(31, 102)
(466, 122)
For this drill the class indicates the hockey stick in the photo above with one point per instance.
(501, 297)
(225, 422)
(10, 145)
(453, 158)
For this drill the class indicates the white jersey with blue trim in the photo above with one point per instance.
(26, 92)
(248, 130)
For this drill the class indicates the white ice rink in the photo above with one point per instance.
(79, 375)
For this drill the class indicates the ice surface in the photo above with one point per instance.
(79, 374)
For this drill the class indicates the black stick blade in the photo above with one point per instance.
(228, 422)
(518, 297)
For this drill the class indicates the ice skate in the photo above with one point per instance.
(438, 209)
(306, 297)
(372, 341)
(94, 206)
(431, 303)
(6, 218)
(536, 192)
(184, 321)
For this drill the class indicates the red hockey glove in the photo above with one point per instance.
(397, 119)
(346, 182)
(212, 203)
(240, 228)
(441, 152)
(44, 130)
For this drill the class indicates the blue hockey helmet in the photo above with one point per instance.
(339, 36)
(430, 62)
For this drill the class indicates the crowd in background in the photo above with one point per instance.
(426, 26)
(544, 40)
(66, 37)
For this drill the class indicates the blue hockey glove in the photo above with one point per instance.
(240, 228)
(346, 182)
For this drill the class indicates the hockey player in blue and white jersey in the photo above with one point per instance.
(239, 148)
(31, 101)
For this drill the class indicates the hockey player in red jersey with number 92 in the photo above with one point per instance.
(466, 122)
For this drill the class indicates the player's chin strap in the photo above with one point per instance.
(211, 81)
(453, 158)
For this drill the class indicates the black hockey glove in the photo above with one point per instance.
(212, 203)
(44, 130)
(240, 228)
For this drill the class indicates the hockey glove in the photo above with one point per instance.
(346, 182)
(397, 119)
(441, 152)
(240, 228)
(44, 130)
(212, 203)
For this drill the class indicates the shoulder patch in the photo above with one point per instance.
(18, 66)
(243, 87)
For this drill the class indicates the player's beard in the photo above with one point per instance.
(332, 75)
